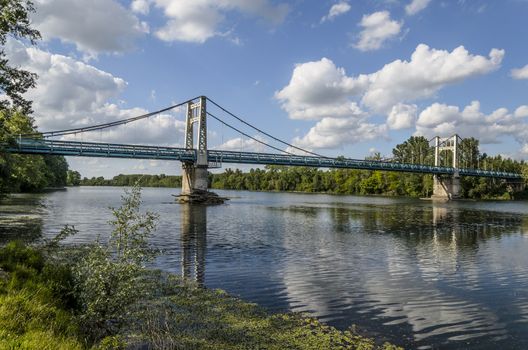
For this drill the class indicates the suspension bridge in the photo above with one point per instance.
(197, 158)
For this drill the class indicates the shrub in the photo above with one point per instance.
(109, 279)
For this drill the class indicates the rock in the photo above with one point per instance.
(200, 197)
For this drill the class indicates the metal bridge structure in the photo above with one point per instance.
(197, 158)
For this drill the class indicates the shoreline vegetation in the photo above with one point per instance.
(101, 296)
(310, 180)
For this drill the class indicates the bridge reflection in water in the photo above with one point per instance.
(415, 272)
(193, 242)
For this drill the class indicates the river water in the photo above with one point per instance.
(416, 273)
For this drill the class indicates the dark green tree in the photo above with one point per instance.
(415, 150)
(14, 82)
(468, 153)
(73, 178)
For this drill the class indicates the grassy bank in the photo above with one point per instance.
(40, 309)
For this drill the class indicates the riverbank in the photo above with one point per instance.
(39, 309)
(517, 196)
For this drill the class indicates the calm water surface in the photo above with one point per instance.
(417, 273)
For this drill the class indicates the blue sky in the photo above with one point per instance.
(337, 77)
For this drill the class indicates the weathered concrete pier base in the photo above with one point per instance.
(194, 186)
(446, 188)
(193, 177)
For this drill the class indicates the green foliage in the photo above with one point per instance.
(73, 178)
(16, 254)
(14, 82)
(32, 301)
(56, 171)
(338, 181)
(19, 172)
(416, 150)
(26, 173)
(161, 180)
(109, 279)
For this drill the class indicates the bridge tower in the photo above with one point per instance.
(194, 174)
(446, 188)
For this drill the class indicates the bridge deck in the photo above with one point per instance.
(110, 150)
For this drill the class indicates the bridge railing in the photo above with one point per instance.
(93, 149)
(281, 159)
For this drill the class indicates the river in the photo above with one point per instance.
(416, 273)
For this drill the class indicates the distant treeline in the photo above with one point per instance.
(130, 180)
(347, 181)
(357, 182)
(302, 179)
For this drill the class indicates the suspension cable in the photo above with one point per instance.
(251, 137)
(106, 125)
(265, 133)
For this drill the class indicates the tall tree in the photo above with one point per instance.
(469, 154)
(14, 82)
(415, 150)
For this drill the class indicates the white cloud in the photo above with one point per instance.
(198, 21)
(140, 6)
(521, 112)
(402, 116)
(377, 28)
(445, 120)
(244, 144)
(336, 10)
(437, 114)
(95, 26)
(72, 94)
(335, 132)
(319, 89)
(426, 73)
(520, 73)
(322, 91)
(416, 6)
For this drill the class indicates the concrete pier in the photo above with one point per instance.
(446, 188)
(193, 178)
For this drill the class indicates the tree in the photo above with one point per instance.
(73, 178)
(415, 150)
(14, 82)
(19, 172)
(26, 173)
(468, 153)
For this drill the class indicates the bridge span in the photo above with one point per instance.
(218, 157)
(197, 158)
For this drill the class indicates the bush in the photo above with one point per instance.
(109, 281)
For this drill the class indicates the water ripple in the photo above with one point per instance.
(420, 274)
